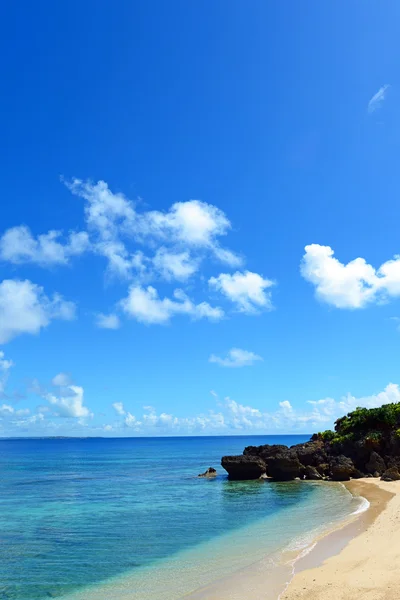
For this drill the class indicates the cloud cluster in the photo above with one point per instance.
(144, 305)
(143, 247)
(236, 357)
(25, 308)
(352, 285)
(248, 291)
(69, 403)
(234, 417)
(18, 246)
(183, 235)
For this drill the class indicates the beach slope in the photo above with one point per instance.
(368, 567)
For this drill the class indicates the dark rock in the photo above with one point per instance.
(391, 474)
(266, 451)
(342, 468)
(311, 473)
(311, 453)
(323, 469)
(376, 474)
(375, 464)
(244, 466)
(211, 472)
(285, 466)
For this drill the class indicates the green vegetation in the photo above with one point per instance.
(369, 424)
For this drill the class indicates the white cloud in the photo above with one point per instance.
(17, 245)
(119, 408)
(195, 223)
(70, 404)
(236, 417)
(61, 380)
(145, 306)
(174, 265)
(131, 421)
(112, 217)
(25, 308)
(5, 366)
(108, 321)
(6, 410)
(248, 291)
(377, 99)
(227, 256)
(351, 285)
(236, 358)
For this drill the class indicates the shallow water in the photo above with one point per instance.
(128, 517)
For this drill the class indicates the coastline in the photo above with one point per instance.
(364, 566)
(291, 578)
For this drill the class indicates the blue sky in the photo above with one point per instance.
(199, 225)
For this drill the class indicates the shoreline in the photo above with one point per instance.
(250, 583)
(358, 560)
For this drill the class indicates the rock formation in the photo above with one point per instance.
(243, 466)
(366, 442)
(211, 472)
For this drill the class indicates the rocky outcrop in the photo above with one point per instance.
(311, 453)
(391, 474)
(311, 472)
(376, 464)
(211, 472)
(266, 451)
(244, 466)
(342, 469)
(284, 466)
(365, 442)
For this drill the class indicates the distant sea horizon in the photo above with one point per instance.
(93, 518)
(150, 437)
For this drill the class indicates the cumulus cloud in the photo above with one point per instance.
(352, 285)
(70, 403)
(108, 321)
(25, 308)
(236, 357)
(6, 410)
(142, 246)
(112, 218)
(17, 245)
(144, 305)
(175, 265)
(248, 291)
(61, 380)
(236, 417)
(119, 408)
(377, 99)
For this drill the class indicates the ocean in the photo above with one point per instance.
(128, 518)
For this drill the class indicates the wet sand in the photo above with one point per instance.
(366, 567)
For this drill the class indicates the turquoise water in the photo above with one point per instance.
(86, 518)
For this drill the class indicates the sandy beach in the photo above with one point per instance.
(367, 567)
(358, 560)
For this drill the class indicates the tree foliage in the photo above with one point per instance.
(365, 423)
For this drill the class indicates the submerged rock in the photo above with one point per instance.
(211, 472)
(244, 466)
